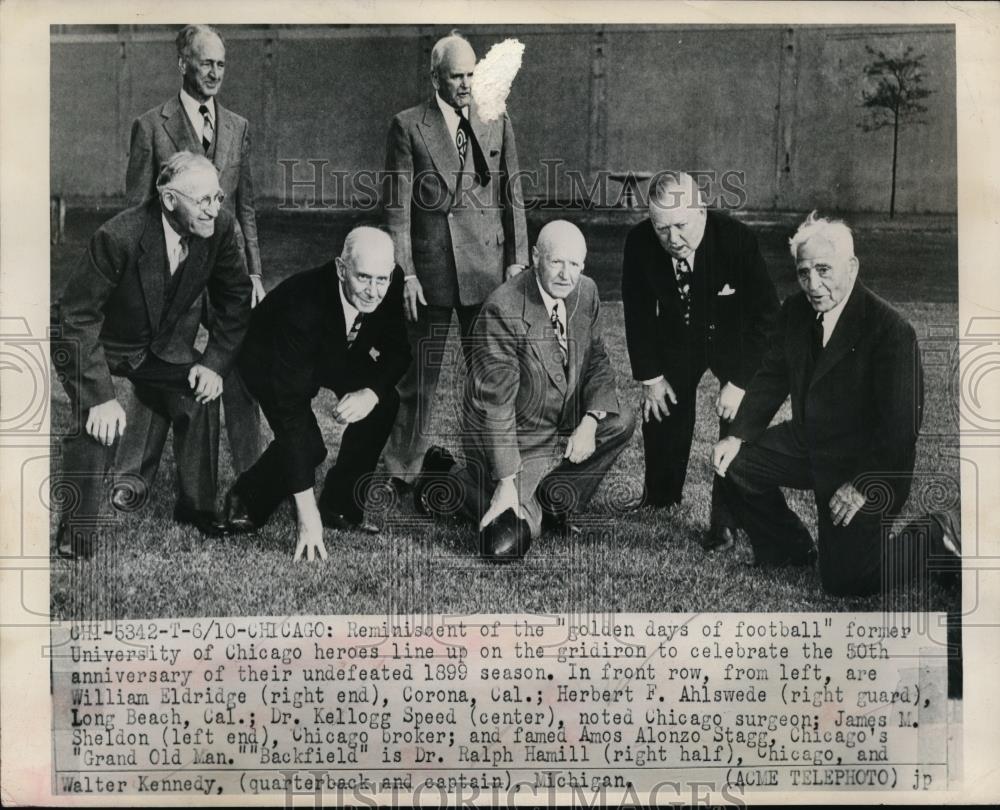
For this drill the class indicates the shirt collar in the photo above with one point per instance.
(689, 260)
(172, 237)
(548, 301)
(449, 112)
(350, 311)
(191, 105)
(831, 317)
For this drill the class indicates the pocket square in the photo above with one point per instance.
(494, 152)
(374, 354)
(727, 290)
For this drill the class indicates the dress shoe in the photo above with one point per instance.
(205, 522)
(948, 537)
(333, 520)
(507, 538)
(74, 545)
(437, 462)
(718, 539)
(237, 518)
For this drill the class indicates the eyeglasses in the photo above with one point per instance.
(204, 203)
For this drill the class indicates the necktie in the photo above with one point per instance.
(464, 137)
(355, 328)
(816, 343)
(208, 131)
(682, 272)
(560, 330)
(181, 254)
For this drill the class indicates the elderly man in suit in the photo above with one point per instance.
(338, 326)
(696, 297)
(851, 365)
(132, 309)
(541, 417)
(194, 120)
(454, 208)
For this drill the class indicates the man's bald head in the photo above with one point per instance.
(365, 267)
(559, 256)
(452, 63)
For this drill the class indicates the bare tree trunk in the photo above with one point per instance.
(895, 144)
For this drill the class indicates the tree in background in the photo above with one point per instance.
(893, 97)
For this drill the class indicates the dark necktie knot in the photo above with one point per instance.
(355, 328)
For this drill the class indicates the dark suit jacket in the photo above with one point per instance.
(297, 343)
(732, 304)
(518, 397)
(443, 228)
(111, 312)
(863, 407)
(160, 132)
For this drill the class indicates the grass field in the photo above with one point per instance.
(623, 562)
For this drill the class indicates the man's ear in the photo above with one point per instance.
(168, 202)
(341, 267)
(855, 264)
(534, 256)
(180, 64)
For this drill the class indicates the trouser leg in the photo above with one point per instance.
(410, 435)
(667, 445)
(346, 487)
(242, 422)
(721, 517)
(752, 491)
(569, 487)
(287, 466)
(141, 446)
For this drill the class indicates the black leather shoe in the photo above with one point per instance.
(333, 520)
(236, 517)
(507, 538)
(436, 464)
(207, 523)
(71, 545)
(718, 539)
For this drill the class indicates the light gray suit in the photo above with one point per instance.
(456, 236)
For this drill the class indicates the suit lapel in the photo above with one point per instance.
(659, 270)
(578, 337)
(225, 136)
(152, 264)
(483, 133)
(848, 330)
(177, 126)
(540, 335)
(440, 147)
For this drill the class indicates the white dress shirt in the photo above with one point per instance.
(551, 302)
(174, 247)
(451, 117)
(350, 311)
(191, 106)
(831, 317)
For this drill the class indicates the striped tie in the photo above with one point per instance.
(560, 330)
(208, 131)
(355, 328)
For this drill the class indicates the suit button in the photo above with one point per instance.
(559, 377)
(451, 215)
(711, 327)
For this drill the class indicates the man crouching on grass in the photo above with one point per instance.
(338, 326)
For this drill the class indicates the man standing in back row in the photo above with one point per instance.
(696, 296)
(454, 209)
(193, 120)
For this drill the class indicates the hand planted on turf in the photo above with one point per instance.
(413, 292)
(654, 400)
(729, 401)
(844, 504)
(724, 452)
(583, 441)
(504, 498)
(355, 406)
(106, 422)
(310, 527)
(206, 384)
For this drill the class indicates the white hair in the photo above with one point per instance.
(180, 163)
(365, 238)
(832, 230)
(442, 46)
